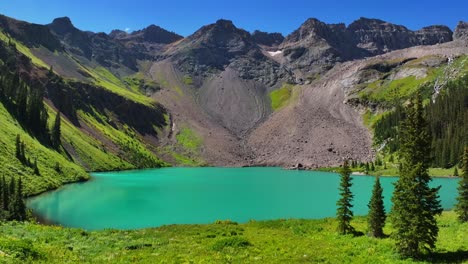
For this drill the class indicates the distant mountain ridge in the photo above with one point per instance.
(316, 46)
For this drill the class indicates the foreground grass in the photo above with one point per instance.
(278, 241)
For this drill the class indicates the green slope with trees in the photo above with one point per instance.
(47, 149)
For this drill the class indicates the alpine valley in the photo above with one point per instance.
(74, 102)
(219, 97)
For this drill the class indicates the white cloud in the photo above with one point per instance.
(127, 30)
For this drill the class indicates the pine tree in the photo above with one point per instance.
(462, 200)
(23, 152)
(11, 203)
(344, 213)
(372, 166)
(19, 200)
(55, 133)
(367, 167)
(376, 217)
(36, 169)
(455, 172)
(415, 204)
(2, 215)
(5, 194)
(18, 147)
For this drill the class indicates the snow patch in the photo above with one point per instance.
(274, 53)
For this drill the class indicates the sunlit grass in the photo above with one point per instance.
(275, 241)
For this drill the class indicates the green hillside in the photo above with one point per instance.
(95, 135)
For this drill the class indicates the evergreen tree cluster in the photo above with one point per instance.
(25, 103)
(12, 205)
(415, 203)
(21, 155)
(462, 200)
(447, 119)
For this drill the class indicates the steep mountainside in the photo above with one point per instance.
(223, 96)
(267, 39)
(316, 46)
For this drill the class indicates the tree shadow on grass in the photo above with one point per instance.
(448, 257)
(357, 233)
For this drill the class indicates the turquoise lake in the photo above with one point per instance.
(155, 197)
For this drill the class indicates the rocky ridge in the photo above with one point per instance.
(316, 46)
(461, 31)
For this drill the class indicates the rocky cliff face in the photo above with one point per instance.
(377, 36)
(267, 39)
(154, 34)
(99, 47)
(33, 35)
(461, 32)
(316, 46)
(215, 47)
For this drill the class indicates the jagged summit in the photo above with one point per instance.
(461, 31)
(62, 25)
(151, 34)
(267, 39)
(219, 31)
(315, 46)
(214, 46)
(225, 23)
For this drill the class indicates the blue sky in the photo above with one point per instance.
(184, 17)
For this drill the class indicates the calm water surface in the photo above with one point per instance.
(150, 198)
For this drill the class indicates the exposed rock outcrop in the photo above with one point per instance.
(317, 46)
(267, 39)
(150, 34)
(33, 35)
(461, 31)
(214, 47)
(93, 46)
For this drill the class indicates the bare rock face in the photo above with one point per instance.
(314, 47)
(150, 34)
(33, 35)
(317, 46)
(377, 36)
(215, 47)
(93, 46)
(461, 32)
(267, 39)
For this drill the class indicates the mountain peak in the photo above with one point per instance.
(154, 34)
(224, 23)
(364, 23)
(117, 33)
(461, 31)
(62, 20)
(219, 32)
(62, 25)
(267, 39)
